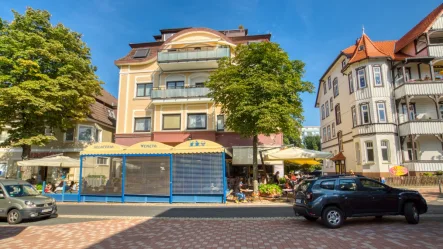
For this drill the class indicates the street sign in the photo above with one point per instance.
(398, 170)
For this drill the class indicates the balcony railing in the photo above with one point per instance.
(373, 128)
(179, 93)
(426, 166)
(182, 55)
(423, 88)
(421, 127)
(436, 50)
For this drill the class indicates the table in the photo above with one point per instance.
(248, 193)
(286, 191)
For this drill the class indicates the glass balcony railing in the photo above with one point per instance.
(181, 55)
(179, 93)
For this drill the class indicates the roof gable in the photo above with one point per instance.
(419, 29)
(364, 49)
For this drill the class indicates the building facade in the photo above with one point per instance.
(381, 102)
(98, 127)
(162, 96)
(308, 131)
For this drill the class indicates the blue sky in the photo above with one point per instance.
(311, 31)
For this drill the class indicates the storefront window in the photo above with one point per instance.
(102, 179)
(147, 176)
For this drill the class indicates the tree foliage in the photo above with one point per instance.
(312, 142)
(259, 92)
(46, 78)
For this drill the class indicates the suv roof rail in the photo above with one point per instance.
(339, 176)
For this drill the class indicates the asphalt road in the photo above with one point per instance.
(245, 211)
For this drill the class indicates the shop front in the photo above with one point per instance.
(193, 171)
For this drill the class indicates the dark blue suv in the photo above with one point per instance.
(334, 198)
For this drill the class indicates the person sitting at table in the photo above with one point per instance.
(48, 188)
(238, 191)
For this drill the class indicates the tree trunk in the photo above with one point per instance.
(26, 153)
(254, 164)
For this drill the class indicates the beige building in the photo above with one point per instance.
(381, 102)
(98, 127)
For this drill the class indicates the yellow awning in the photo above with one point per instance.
(198, 146)
(148, 147)
(304, 161)
(104, 148)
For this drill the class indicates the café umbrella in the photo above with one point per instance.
(303, 156)
(52, 161)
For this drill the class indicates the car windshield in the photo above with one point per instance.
(21, 190)
(304, 185)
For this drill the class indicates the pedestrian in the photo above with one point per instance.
(276, 177)
(237, 190)
(352, 172)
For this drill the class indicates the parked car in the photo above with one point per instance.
(20, 200)
(334, 198)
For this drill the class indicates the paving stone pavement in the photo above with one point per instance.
(225, 233)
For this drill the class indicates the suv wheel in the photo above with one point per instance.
(14, 217)
(333, 217)
(411, 213)
(310, 218)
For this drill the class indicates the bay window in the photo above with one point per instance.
(381, 110)
(361, 76)
(378, 81)
(369, 151)
(385, 150)
(364, 111)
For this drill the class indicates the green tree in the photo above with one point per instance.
(312, 142)
(46, 78)
(258, 91)
(296, 141)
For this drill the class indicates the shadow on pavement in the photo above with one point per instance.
(9, 231)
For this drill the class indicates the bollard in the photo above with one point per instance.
(63, 191)
(439, 184)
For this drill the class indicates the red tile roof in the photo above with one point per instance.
(419, 29)
(338, 157)
(370, 50)
(99, 109)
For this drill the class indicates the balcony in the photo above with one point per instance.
(191, 58)
(373, 128)
(417, 88)
(421, 127)
(436, 50)
(424, 165)
(177, 96)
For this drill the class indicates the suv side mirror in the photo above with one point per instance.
(2, 196)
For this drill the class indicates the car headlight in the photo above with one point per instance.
(29, 203)
(53, 201)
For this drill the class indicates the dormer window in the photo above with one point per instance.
(361, 48)
(343, 63)
(141, 53)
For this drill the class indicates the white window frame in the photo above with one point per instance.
(354, 116)
(331, 103)
(143, 83)
(362, 113)
(351, 83)
(329, 132)
(384, 145)
(380, 109)
(323, 111)
(98, 162)
(333, 130)
(78, 133)
(375, 75)
(327, 108)
(136, 131)
(367, 148)
(335, 87)
(364, 78)
(324, 134)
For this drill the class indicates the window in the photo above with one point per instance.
(144, 90)
(333, 129)
(361, 78)
(343, 63)
(102, 161)
(410, 150)
(329, 132)
(175, 84)
(354, 116)
(407, 71)
(171, 121)
(324, 134)
(199, 85)
(328, 185)
(377, 76)
(327, 108)
(357, 153)
(331, 103)
(421, 43)
(441, 110)
(369, 151)
(142, 124)
(220, 122)
(329, 82)
(385, 150)
(364, 109)
(347, 185)
(337, 114)
(322, 111)
(86, 133)
(141, 53)
(361, 47)
(69, 135)
(381, 110)
(372, 185)
(197, 121)
(111, 113)
(335, 85)
(340, 140)
(412, 112)
(324, 88)
(351, 83)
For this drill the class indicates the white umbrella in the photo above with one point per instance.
(55, 161)
(295, 153)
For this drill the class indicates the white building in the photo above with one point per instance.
(363, 98)
(307, 131)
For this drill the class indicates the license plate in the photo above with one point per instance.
(47, 210)
(297, 200)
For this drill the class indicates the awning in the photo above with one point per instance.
(52, 161)
(305, 161)
(198, 146)
(148, 147)
(295, 153)
(104, 148)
